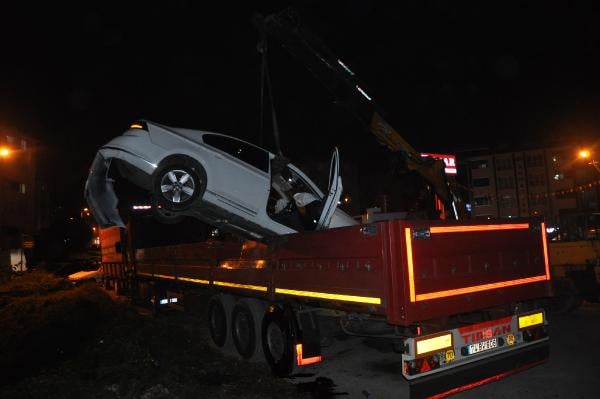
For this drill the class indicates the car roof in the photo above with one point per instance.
(185, 132)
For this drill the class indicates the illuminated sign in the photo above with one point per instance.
(449, 161)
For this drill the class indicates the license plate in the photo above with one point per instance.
(483, 346)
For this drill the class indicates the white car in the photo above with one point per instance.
(218, 179)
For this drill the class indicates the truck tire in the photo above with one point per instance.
(246, 319)
(278, 341)
(219, 318)
(243, 330)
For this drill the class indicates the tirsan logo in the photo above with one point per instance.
(486, 333)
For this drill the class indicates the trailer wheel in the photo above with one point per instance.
(218, 318)
(278, 342)
(243, 330)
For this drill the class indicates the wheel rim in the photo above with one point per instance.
(275, 341)
(242, 329)
(177, 186)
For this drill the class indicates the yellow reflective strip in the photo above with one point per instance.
(156, 275)
(434, 344)
(164, 276)
(324, 295)
(193, 280)
(531, 320)
(245, 286)
(411, 266)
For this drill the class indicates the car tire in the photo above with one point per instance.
(163, 215)
(178, 182)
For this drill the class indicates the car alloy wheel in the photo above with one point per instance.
(177, 186)
(177, 183)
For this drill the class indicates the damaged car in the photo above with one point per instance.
(218, 179)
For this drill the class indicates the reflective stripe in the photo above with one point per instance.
(478, 288)
(193, 280)
(325, 295)
(433, 344)
(409, 260)
(545, 245)
(245, 286)
(156, 275)
(477, 227)
(531, 320)
(164, 276)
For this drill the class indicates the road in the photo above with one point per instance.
(363, 368)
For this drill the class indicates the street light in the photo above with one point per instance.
(4, 152)
(586, 155)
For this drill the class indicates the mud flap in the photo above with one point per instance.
(308, 335)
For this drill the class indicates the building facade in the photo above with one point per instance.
(552, 183)
(18, 200)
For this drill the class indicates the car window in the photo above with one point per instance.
(242, 151)
(292, 201)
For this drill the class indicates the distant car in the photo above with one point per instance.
(221, 180)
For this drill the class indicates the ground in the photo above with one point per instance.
(58, 341)
(367, 368)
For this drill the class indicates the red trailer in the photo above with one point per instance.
(461, 300)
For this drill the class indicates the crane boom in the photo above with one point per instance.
(287, 28)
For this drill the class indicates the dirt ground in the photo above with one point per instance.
(58, 341)
(363, 368)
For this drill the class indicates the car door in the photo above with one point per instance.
(241, 174)
(333, 194)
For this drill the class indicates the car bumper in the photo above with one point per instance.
(100, 195)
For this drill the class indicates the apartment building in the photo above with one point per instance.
(551, 183)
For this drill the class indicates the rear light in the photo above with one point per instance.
(531, 320)
(139, 125)
(303, 361)
(533, 334)
(433, 343)
(421, 365)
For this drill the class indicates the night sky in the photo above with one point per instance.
(451, 78)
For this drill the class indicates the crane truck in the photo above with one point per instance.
(460, 299)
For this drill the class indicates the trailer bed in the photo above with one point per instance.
(404, 271)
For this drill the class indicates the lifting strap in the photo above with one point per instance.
(265, 79)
